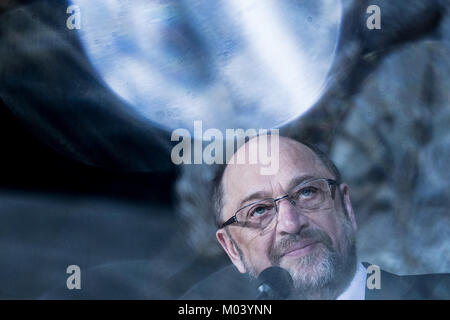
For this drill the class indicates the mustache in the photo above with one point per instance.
(278, 249)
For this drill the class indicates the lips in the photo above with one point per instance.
(300, 248)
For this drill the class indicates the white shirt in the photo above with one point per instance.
(356, 290)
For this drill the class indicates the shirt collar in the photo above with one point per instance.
(356, 290)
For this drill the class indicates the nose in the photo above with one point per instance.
(290, 220)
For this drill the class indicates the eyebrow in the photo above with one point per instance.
(300, 179)
(260, 195)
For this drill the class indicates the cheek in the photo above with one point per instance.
(329, 223)
(255, 249)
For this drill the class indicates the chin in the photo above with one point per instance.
(314, 270)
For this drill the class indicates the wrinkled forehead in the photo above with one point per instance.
(295, 160)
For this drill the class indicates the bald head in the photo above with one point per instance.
(243, 170)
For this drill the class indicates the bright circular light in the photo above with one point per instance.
(229, 63)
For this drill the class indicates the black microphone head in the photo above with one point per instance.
(275, 283)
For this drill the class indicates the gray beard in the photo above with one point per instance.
(329, 272)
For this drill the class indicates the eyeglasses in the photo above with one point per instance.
(309, 196)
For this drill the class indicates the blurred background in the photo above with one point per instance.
(85, 171)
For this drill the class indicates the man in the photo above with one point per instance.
(300, 219)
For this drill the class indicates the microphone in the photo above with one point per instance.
(274, 283)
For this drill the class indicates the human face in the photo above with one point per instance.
(312, 246)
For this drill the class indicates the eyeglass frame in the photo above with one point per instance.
(234, 219)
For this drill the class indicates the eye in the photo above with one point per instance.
(259, 210)
(307, 193)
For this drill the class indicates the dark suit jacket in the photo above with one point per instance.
(229, 284)
(412, 287)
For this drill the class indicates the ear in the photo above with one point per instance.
(348, 204)
(231, 250)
